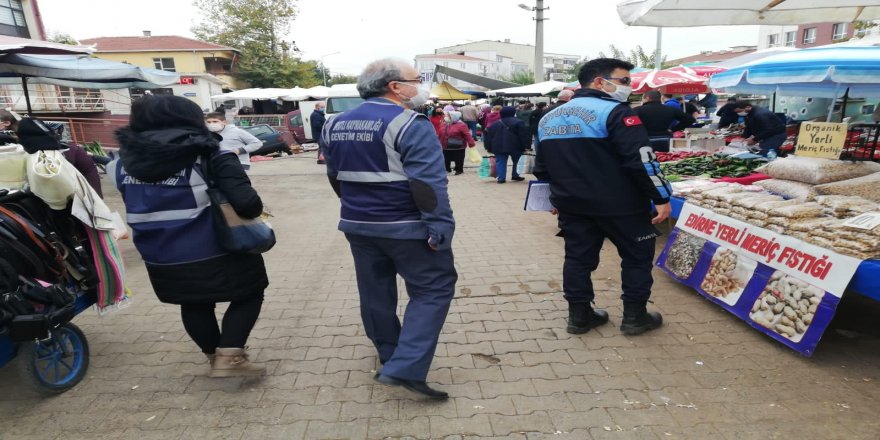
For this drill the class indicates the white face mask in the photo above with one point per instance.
(743, 113)
(421, 98)
(215, 127)
(620, 93)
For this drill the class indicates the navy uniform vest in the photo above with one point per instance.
(373, 185)
(170, 218)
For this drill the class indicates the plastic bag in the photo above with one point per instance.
(865, 186)
(789, 188)
(526, 164)
(493, 170)
(817, 171)
(806, 210)
(755, 200)
(51, 177)
(473, 155)
(483, 172)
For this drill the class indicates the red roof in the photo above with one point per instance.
(450, 56)
(150, 44)
(710, 57)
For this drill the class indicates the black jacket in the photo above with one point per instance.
(508, 135)
(316, 121)
(155, 155)
(603, 166)
(534, 118)
(728, 116)
(762, 123)
(658, 118)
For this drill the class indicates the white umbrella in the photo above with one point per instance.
(36, 47)
(537, 89)
(257, 93)
(317, 92)
(688, 13)
(752, 56)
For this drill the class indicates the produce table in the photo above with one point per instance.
(865, 282)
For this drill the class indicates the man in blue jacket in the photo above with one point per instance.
(385, 163)
(603, 176)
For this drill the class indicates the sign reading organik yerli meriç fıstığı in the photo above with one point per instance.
(778, 284)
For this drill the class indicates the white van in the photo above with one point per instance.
(342, 97)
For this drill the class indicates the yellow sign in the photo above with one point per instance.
(821, 139)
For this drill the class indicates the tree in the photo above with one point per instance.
(638, 57)
(521, 77)
(257, 28)
(63, 38)
(572, 73)
(341, 79)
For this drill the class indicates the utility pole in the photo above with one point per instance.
(539, 37)
(658, 58)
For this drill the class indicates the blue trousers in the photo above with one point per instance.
(406, 350)
(501, 165)
(472, 125)
(633, 235)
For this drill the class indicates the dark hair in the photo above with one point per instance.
(6, 116)
(154, 112)
(742, 104)
(601, 67)
(731, 99)
(542, 104)
(667, 95)
(216, 115)
(652, 96)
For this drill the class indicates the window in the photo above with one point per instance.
(838, 31)
(809, 35)
(166, 64)
(868, 109)
(789, 38)
(12, 21)
(296, 120)
(773, 40)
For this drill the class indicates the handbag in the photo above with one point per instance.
(236, 235)
(453, 143)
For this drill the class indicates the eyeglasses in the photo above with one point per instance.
(408, 80)
(624, 81)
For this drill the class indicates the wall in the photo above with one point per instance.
(518, 52)
(33, 24)
(765, 31)
(184, 61)
(823, 34)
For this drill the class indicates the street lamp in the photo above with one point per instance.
(324, 69)
(539, 36)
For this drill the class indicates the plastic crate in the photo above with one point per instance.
(861, 143)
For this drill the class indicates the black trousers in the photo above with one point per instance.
(456, 156)
(238, 321)
(634, 236)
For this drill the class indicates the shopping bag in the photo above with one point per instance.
(493, 172)
(51, 177)
(483, 172)
(473, 155)
(526, 164)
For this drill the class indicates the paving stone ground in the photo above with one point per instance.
(504, 356)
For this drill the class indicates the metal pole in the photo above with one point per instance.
(658, 58)
(539, 41)
(323, 71)
(27, 95)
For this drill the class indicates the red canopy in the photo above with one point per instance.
(667, 81)
(701, 71)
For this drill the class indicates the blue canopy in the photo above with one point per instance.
(80, 71)
(821, 72)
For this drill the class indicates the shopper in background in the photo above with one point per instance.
(317, 120)
(534, 119)
(469, 115)
(710, 103)
(763, 128)
(166, 155)
(455, 136)
(727, 113)
(658, 118)
(562, 98)
(507, 138)
(437, 119)
(234, 139)
(491, 118)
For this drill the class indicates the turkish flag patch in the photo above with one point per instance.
(629, 121)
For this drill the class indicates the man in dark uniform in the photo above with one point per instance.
(385, 163)
(658, 118)
(763, 127)
(727, 113)
(603, 176)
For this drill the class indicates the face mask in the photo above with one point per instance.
(620, 93)
(215, 127)
(320, 110)
(422, 96)
(743, 113)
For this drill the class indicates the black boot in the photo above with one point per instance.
(637, 319)
(582, 317)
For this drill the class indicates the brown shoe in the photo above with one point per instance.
(233, 362)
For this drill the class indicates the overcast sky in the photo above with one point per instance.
(363, 30)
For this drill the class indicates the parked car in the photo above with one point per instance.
(273, 141)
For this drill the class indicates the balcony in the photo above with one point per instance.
(49, 98)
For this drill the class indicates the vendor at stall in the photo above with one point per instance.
(658, 118)
(763, 127)
(727, 113)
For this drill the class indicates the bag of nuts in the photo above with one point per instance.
(865, 187)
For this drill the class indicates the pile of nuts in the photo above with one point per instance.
(684, 254)
(721, 279)
(787, 306)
